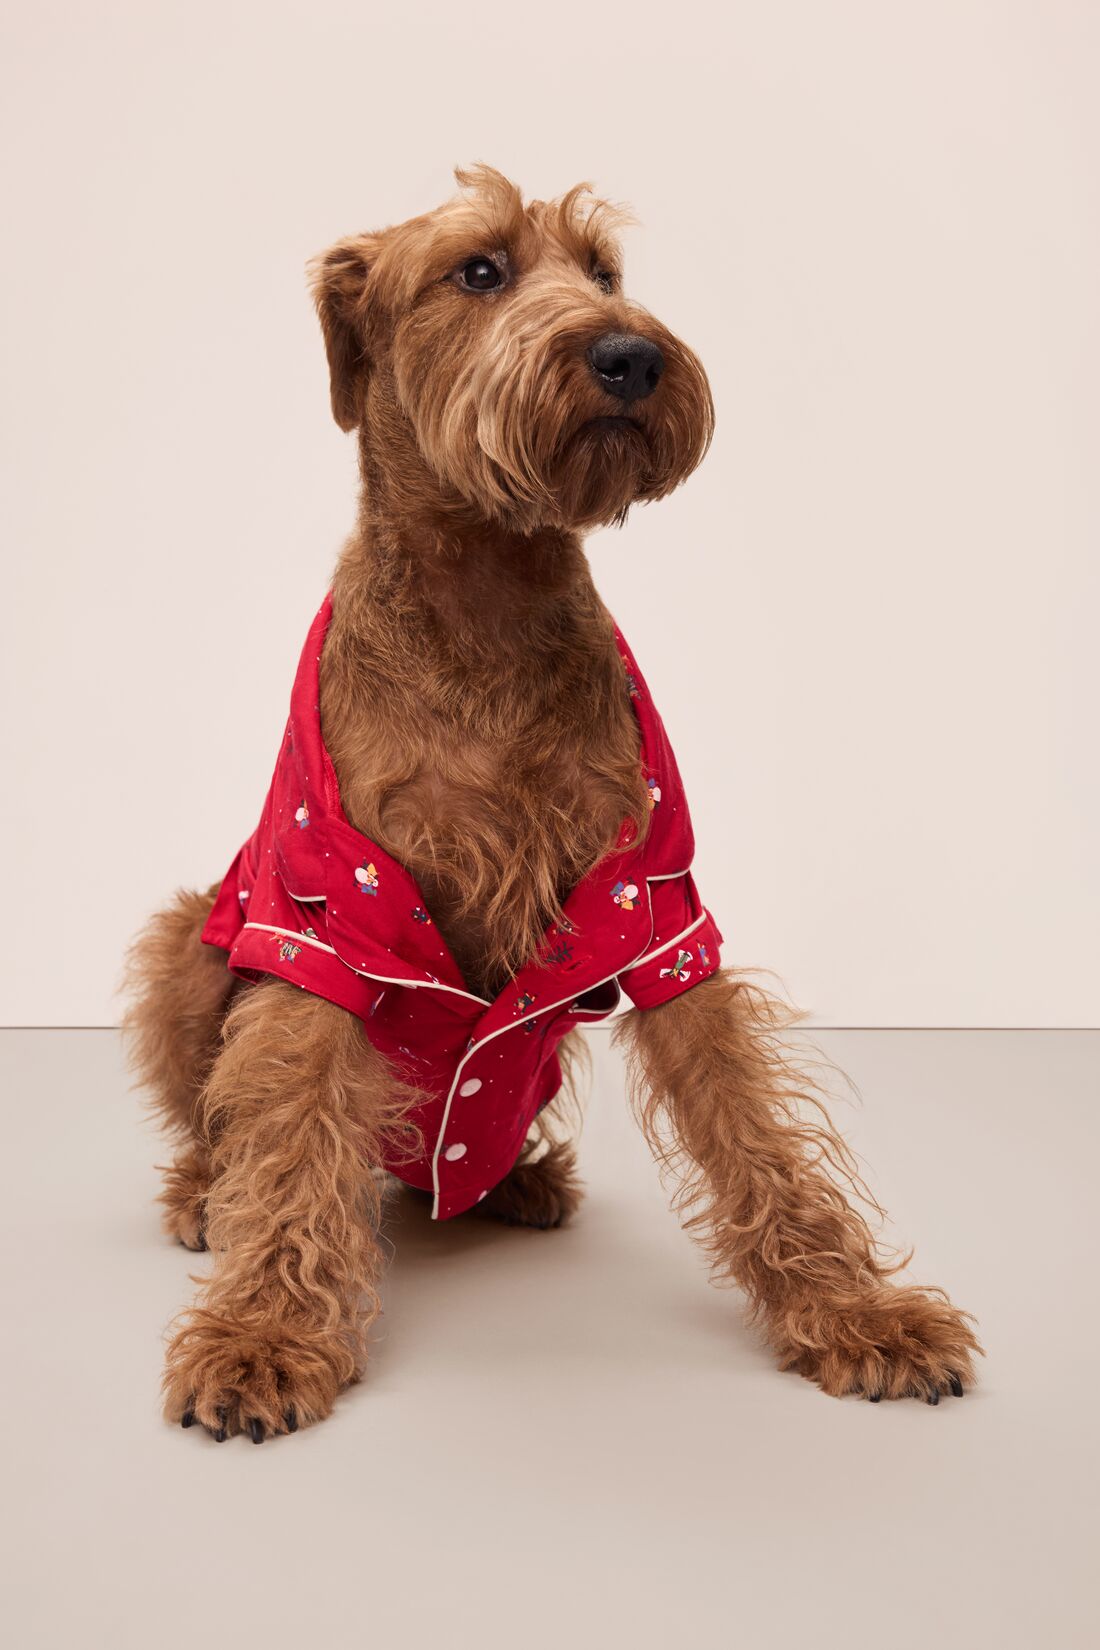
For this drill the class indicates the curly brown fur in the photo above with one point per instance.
(765, 1186)
(474, 703)
(540, 1191)
(178, 990)
(186, 1188)
(482, 736)
(295, 1112)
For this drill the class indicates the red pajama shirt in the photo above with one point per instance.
(314, 902)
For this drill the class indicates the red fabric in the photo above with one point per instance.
(313, 901)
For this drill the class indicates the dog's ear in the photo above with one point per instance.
(339, 280)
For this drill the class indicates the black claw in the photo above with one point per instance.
(220, 1436)
(956, 1385)
(222, 1432)
(256, 1430)
(187, 1419)
(934, 1395)
(874, 1397)
(291, 1420)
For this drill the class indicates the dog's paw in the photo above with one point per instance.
(187, 1224)
(543, 1193)
(229, 1379)
(183, 1200)
(888, 1343)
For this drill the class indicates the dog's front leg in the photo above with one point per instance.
(763, 1189)
(295, 1111)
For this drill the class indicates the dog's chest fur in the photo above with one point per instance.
(497, 774)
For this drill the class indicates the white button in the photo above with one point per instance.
(453, 1153)
(471, 1086)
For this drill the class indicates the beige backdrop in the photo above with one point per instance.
(870, 621)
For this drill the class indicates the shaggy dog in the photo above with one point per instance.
(497, 800)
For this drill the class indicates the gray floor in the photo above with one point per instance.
(567, 1438)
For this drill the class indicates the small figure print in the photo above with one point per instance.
(301, 816)
(523, 1002)
(679, 969)
(288, 950)
(419, 914)
(624, 894)
(704, 958)
(654, 790)
(367, 878)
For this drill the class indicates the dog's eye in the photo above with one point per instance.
(604, 279)
(479, 275)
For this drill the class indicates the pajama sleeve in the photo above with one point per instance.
(683, 949)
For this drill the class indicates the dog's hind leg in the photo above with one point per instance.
(298, 1108)
(543, 1189)
(763, 1189)
(184, 1195)
(178, 991)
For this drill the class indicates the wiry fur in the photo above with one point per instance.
(297, 1105)
(765, 1183)
(473, 701)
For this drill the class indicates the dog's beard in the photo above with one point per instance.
(601, 471)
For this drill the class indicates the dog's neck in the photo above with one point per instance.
(435, 573)
(481, 594)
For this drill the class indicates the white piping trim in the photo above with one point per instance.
(545, 1009)
(612, 1013)
(308, 899)
(656, 953)
(292, 934)
(416, 985)
(384, 979)
(499, 1032)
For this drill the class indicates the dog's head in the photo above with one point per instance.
(497, 333)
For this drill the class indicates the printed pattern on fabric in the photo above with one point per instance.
(310, 900)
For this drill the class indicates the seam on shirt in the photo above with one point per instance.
(656, 953)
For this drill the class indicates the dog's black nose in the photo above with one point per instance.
(626, 365)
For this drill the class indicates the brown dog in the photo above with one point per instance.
(456, 697)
